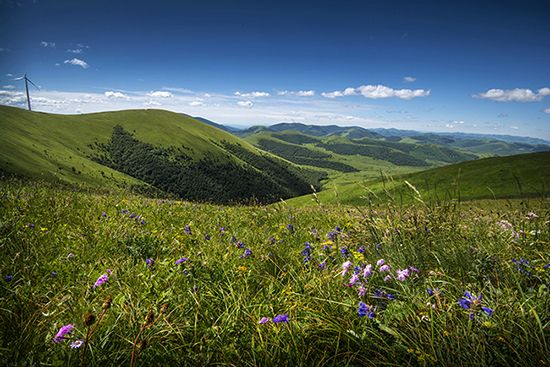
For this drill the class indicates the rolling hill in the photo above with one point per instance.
(150, 149)
(521, 175)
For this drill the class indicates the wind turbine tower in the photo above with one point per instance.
(27, 81)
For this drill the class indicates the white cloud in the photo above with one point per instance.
(409, 79)
(379, 91)
(178, 90)
(152, 103)
(245, 103)
(514, 95)
(9, 75)
(80, 45)
(75, 51)
(111, 94)
(299, 93)
(160, 94)
(9, 86)
(547, 110)
(46, 44)
(514, 127)
(196, 103)
(252, 94)
(83, 64)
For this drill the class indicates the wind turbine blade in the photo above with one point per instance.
(37, 87)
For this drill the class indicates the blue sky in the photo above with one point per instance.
(473, 66)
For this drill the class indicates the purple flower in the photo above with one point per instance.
(77, 344)
(345, 267)
(9, 278)
(30, 225)
(103, 214)
(54, 274)
(281, 318)
(207, 237)
(380, 262)
(361, 249)
(322, 265)
(413, 269)
(367, 272)
(102, 279)
(240, 244)
(60, 336)
(290, 227)
(150, 262)
(365, 310)
(181, 260)
(132, 215)
(142, 222)
(354, 279)
(264, 320)
(344, 251)
(187, 230)
(247, 253)
(387, 278)
(361, 291)
(233, 239)
(384, 268)
(124, 211)
(473, 304)
(402, 274)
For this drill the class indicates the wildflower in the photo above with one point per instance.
(187, 230)
(531, 215)
(431, 291)
(142, 222)
(361, 291)
(109, 271)
(247, 253)
(54, 274)
(504, 224)
(281, 318)
(103, 214)
(322, 265)
(345, 267)
(264, 320)
(473, 304)
(413, 269)
(207, 237)
(240, 244)
(365, 310)
(70, 256)
(354, 279)
(290, 227)
(150, 262)
(102, 279)
(390, 296)
(9, 278)
(380, 262)
(367, 272)
(132, 215)
(306, 253)
(233, 239)
(344, 251)
(402, 274)
(361, 249)
(124, 211)
(30, 225)
(387, 278)
(60, 336)
(181, 260)
(384, 268)
(546, 266)
(77, 344)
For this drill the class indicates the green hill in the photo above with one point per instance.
(153, 149)
(497, 177)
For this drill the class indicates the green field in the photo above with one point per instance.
(498, 177)
(245, 264)
(157, 151)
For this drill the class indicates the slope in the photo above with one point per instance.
(153, 148)
(497, 177)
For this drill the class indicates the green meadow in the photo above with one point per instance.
(111, 278)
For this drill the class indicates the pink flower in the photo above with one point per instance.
(345, 267)
(380, 262)
(367, 272)
(384, 268)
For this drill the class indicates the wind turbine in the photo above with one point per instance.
(27, 81)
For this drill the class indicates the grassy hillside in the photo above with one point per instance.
(169, 283)
(168, 151)
(497, 177)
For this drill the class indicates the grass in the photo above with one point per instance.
(488, 178)
(57, 147)
(207, 310)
